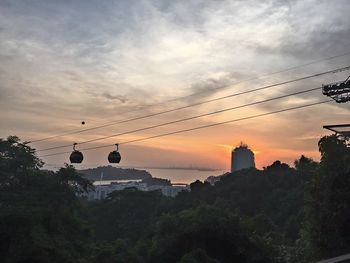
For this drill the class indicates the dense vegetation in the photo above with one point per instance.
(278, 214)
(114, 173)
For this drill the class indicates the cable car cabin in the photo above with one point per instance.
(114, 157)
(76, 157)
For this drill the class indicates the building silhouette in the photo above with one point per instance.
(242, 158)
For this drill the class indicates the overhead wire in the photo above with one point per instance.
(197, 128)
(183, 119)
(207, 101)
(181, 98)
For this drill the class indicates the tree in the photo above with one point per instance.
(327, 202)
(126, 214)
(197, 256)
(277, 166)
(39, 210)
(218, 232)
(306, 167)
(70, 177)
(16, 160)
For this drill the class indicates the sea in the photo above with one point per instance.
(176, 176)
(183, 176)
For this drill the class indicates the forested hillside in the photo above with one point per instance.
(113, 173)
(278, 214)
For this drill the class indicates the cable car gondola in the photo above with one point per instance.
(76, 156)
(114, 157)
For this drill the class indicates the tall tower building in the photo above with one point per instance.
(241, 158)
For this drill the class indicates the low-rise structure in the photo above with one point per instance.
(101, 191)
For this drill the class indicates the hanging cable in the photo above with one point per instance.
(347, 78)
(215, 99)
(181, 98)
(199, 127)
(184, 119)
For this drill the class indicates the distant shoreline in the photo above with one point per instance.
(177, 168)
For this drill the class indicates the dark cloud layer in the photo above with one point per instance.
(107, 95)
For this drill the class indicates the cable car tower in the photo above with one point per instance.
(338, 91)
(341, 130)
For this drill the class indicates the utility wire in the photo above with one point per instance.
(180, 98)
(184, 119)
(199, 127)
(207, 101)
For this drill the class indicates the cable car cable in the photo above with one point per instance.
(216, 99)
(193, 105)
(184, 97)
(184, 119)
(199, 127)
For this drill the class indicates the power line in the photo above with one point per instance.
(208, 101)
(180, 98)
(183, 119)
(197, 128)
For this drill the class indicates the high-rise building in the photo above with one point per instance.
(242, 158)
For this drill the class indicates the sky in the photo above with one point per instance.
(63, 62)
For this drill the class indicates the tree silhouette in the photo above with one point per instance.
(327, 202)
(39, 210)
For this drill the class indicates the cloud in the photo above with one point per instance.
(107, 95)
(67, 60)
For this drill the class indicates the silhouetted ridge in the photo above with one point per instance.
(114, 173)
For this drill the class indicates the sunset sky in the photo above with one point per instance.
(63, 62)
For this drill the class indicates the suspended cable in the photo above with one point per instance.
(197, 128)
(211, 100)
(183, 119)
(181, 98)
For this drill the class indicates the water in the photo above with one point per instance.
(184, 176)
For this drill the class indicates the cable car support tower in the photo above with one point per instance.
(340, 92)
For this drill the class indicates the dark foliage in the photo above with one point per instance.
(327, 203)
(278, 214)
(39, 211)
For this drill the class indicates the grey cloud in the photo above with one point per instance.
(132, 53)
(210, 85)
(107, 95)
(316, 45)
(315, 28)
